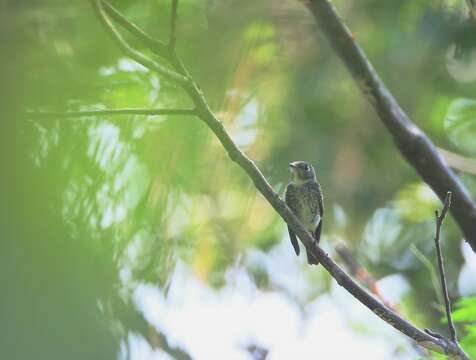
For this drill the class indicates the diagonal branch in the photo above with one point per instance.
(439, 344)
(413, 143)
(155, 45)
(444, 288)
(361, 273)
(370, 283)
(134, 54)
(76, 114)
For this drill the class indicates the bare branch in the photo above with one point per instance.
(365, 278)
(173, 25)
(444, 288)
(76, 114)
(413, 143)
(135, 55)
(155, 45)
(361, 273)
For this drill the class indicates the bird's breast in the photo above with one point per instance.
(304, 201)
(309, 218)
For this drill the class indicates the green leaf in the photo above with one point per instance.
(460, 122)
(466, 311)
(416, 202)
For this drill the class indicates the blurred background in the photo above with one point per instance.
(136, 237)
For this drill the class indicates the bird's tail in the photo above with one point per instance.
(311, 260)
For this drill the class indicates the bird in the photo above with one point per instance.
(304, 197)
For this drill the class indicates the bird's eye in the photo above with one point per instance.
(306, 168)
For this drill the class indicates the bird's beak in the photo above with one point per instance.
(292, 165)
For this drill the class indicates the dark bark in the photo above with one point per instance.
(413, 143)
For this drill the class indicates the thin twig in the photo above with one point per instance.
(432, 272)
(412, 142)
(134, 54)
(76, 114)
(441, 345)
(173, 25)
(155, 45)
(444, 288)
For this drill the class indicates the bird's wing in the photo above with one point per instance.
(317, 232)
(290, 201)
(320, 201)
(294, 242)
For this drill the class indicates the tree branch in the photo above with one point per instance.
(361, 273)
(134, 54)
(413, 143)
(365, 278)
(439, 344)
(76, 114)
(444, 288)
(155, 45)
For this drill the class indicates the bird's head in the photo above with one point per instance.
(302, 172)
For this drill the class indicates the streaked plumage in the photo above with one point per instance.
(304, 197)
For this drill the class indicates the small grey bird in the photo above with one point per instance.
(304, 198)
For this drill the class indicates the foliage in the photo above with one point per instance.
(466, 315)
